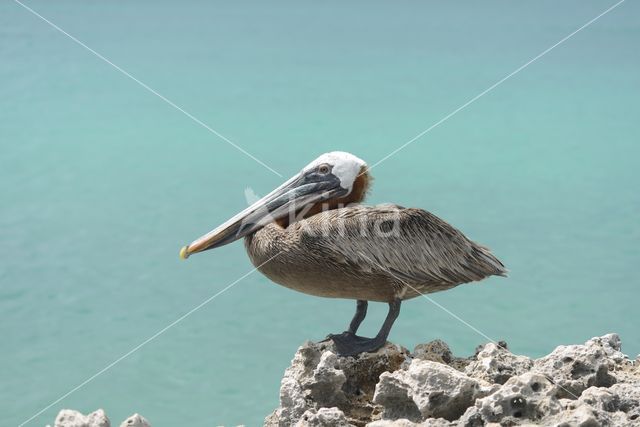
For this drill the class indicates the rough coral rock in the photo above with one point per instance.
(403, 422)
(135, 420)
(439, 351)
(71, 418)
(323, 417)
(496, 364)
(427, 389)
(593, 384)
(611, 344)
(574, 368)
(436, 351)
(529, 396)
(628, 399)
(318, 378)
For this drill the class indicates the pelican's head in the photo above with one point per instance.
(338, 164)
(335, 178)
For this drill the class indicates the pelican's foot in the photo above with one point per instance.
(350, 344)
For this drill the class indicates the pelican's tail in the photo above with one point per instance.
(494, 267)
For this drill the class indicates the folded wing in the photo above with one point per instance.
(411, 246)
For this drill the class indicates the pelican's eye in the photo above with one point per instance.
(324, 169)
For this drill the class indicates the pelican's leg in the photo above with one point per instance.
(349, 344)
(361, 313)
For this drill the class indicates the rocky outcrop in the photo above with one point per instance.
(588, 385)
(318, 378)
(593, 384)
(71, 418)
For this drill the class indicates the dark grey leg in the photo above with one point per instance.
(394, 311)
(349, 344)
(361, 312)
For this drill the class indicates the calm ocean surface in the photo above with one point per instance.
(103, 182)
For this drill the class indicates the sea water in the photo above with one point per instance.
(102, 182)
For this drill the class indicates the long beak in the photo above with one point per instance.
(292, 196)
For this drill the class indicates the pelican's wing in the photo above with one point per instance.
(410, 245)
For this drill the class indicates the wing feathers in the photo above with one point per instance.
(412, 245)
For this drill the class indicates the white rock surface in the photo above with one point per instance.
(323, 417)
(529, 396)
(628, 400)
(574, 368)
(318, 378)
(135, 420)
(403, 422)
(427, 390)
(71, 418)
(592, 384)
(496, 364)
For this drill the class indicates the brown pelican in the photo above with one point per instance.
(312, 235)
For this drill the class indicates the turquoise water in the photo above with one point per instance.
(102, 182)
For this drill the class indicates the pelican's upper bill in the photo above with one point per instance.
(335, 178)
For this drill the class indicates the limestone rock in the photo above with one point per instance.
(616, 405)
(529, 396)
(135, 420)
(323, 417)
(318, 378)
(427, 390)
(436, 351)
(439, 351)
(497, 364)
(574, 368)
(627, 371)
(403, 422)
(593, 384)
(71, 418)
(581, 413)
(611, 344)
(628, 400)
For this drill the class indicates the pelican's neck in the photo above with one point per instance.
(265, 243)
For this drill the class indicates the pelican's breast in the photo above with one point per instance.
(293, 257)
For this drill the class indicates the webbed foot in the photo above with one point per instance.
(350, 344)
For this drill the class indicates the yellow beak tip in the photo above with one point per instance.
(183, 253)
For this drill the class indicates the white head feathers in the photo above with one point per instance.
(344, 165)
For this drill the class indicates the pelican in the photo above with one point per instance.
(312, 235)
